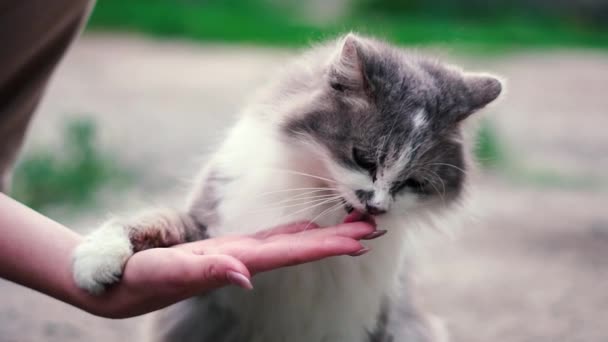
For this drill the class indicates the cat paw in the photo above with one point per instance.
(99, 260)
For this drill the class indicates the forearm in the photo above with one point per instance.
(36, 251)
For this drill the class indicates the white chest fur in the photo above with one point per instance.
(336, 299)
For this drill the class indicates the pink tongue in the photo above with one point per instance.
(356, 216)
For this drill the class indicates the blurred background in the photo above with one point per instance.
(149, 89)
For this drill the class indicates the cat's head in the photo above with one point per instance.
(388, 125)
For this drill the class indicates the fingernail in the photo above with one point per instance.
(374, 234)
(360, 252)
(239, 280)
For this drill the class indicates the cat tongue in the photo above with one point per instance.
(356, 216)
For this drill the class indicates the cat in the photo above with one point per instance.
(353, 124)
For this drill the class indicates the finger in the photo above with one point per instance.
(174, 277)
(208, 245)
(207, 272)
(353, 230)
(356, 230)
(291, 251)
(356, 216)
(238, 246)
(286, 229)
(291, 228)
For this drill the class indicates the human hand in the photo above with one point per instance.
(38, 253)
(158, 277)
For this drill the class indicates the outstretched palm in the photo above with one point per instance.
(157, 277)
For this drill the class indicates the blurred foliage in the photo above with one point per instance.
(69, 175)
(231, 20)
(488, 150)
(465, 23)
(481, 25)
(589, 13)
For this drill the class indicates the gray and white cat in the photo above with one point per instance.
(353, 124)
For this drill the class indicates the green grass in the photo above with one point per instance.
(260, 22)
(70, 175)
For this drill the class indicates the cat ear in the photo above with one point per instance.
(346, 70)
(477, 91)
(482, 89)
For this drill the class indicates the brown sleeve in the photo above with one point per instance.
(35, 35)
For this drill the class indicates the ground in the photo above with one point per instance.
(531, 266)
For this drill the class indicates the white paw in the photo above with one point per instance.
(99, 260)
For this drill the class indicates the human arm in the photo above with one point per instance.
(36, 252)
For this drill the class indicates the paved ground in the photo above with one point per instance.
(533, 266)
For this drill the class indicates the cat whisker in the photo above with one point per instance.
(449, 165)
(333, 202)
(441, 194)
(329, 201)
(325, 212)
(297, 189)
(437, 177)
(315, 201)
(306, 195)
(314, 193)
(273, 206)
(300, 198)
(304, 174)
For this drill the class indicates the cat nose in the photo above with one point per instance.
(373, 210)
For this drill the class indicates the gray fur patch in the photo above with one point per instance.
(395, 86)
(381, 333)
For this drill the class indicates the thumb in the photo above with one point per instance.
(216, 270)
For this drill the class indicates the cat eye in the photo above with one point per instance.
(412, 184)
(338, 86)
(363, 162)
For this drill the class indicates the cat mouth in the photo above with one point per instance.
(357, 216)
(348, 207)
